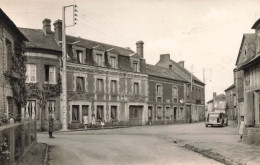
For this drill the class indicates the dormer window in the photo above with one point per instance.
(99, 59)
(79, 56)
(135, 66)
(112, 61)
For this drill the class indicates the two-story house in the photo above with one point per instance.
(194, 97)
(166, 96)
(231, 102)
(12, 67)
(42, 75)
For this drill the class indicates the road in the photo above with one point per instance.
(136, 145)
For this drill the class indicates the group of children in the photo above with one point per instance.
(93, 121)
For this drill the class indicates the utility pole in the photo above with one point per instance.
(63, 98)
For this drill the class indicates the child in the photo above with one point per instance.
(102, 123)
(85, 121)
(241, 128)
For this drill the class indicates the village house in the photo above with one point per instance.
(217, 104)
(231, 102)
(166, 96)
(12, 89)
(248, 62)
(194, 97)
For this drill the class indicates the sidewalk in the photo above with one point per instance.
(226, 151)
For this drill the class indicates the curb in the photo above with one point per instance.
(46, 156)
(88, 129)
(212, 155)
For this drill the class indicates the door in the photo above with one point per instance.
(150, 114)
(135, 115)
(188, 114)
(174, 113)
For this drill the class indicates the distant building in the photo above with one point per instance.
(217, 104)
(11, 67)
(231, 102)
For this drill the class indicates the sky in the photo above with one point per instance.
(206, 34)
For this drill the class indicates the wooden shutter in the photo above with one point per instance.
(250, 108)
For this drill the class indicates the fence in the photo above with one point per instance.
(16, 140)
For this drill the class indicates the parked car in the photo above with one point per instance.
(216, 119)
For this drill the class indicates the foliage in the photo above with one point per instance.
(18, 85)
(4, 152)
(3, 118)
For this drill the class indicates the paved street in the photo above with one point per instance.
(136, 145)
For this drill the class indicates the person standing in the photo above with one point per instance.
(93, 121)
(51, 119)
(242, 127)
(85, 120)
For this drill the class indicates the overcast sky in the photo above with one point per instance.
(204, 33)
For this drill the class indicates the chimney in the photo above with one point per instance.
(165, 57)
(181, 63)
(46, 26)
(139, 48)
(58, 30)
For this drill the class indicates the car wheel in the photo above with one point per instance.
(206, 125)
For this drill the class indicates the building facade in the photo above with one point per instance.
(166, 96)
(231, 102)
(217, 104)
(11, 67)
(194, 97)
(249, 63)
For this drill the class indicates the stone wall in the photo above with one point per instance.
(251, 136)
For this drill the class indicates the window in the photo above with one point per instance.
(170, 66)
(99, 59)
(100, 85)
(135, 66)
(113, 86)
(80, 83)
(136, 88)
(79, 56)
(168, 113)
(113, 112)
(50, 75)
(50, 107)
(175, 94)
(84, 110)
(75, 113)
(31, 73)
(159, 112)
(159, 90)
(112, 62)
(30, 109)
(100, 112)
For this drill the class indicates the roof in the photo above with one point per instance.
(210, 101)
(249, 62)
(163, 73)
(250, 38)
(256, 24)
(11, 24)
(38, 39)
(186, 72)
(230, 87)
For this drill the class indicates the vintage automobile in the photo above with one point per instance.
(216, 119)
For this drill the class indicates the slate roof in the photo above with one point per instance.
(250, 37)
(256, 24)
(230, 87)
(163, 73)
(185, 71)
(38, 39)
(11, 25)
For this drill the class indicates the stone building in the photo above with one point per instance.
(11, 66)
(194, 99)
(43, 78)
(231, 102)
(166, 96)
(249, 63)
(217, 104)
